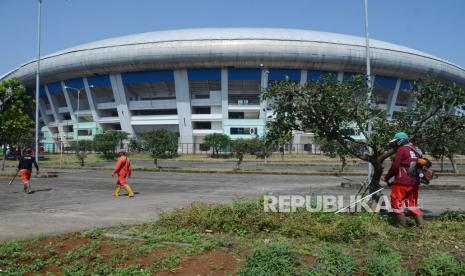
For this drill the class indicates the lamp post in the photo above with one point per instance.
(77, 109)
(368, 72)
(39, 19)
(264, 84)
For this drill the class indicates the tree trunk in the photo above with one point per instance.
(155, 162)
(442, 163)
(4, 160)
(344, 162)
(454, 165)
(239, 162)
(375, 179)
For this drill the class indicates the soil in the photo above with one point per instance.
(215, 262)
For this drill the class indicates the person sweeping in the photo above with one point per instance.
(25, 168)
(122, 170)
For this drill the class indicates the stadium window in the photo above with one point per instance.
(236, 115)
(201, 110)
(243, 131)
(84, 132)
(154, 112)
(383, 88)
(149, 85)
(404, 94)
(202, 125)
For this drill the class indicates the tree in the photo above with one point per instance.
(439, 143)
(259, 147)
(161, 143)
(108, 142)
(15, 105)
(330, 108)
(333, 149)
(135, 145)
(240, 147)
(81, 148)
(217, 141)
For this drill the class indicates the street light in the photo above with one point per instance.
(39, 19)
(77, 111)
(264, 84)
(368, 102)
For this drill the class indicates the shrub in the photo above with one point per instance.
(453, 216)
(81, 148)
(106, 143)
(161, 143)
(275, 258)
(333, 261)
(442, 263)
(217, 141)
(383, 261)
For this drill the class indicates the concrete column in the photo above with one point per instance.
(183, 104)
(43, 111)
(303, 77)
(54, 107)
(121, 103)
(224, 94)
(69, 101)
(264, 85)
(91, 99)
(392, 102)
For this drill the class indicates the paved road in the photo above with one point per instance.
(79, 199)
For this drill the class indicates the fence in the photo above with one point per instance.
(201, 149)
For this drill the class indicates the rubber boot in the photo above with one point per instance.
(117, 190)
(129, 190)
(401, 220)
(419, 220)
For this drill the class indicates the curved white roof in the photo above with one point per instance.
(242, 47)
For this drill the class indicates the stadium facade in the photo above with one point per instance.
(200, 81)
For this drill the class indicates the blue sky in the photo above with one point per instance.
(433, 26)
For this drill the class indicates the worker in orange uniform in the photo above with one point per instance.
(406, 183)
(25, 168)
(122, 170)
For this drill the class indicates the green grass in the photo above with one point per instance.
(299, 243)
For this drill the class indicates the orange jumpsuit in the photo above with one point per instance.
(122, 169)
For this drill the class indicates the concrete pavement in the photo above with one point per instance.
(81, 199)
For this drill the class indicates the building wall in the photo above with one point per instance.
(190, 102)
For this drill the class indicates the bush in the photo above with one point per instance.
(333, 261)
(453, 216)
(161, 143)
(259, 147)
(106, 143)
(217, 141)
(442, 263)
(248, 216)
(275, 258)
(81, 148)
(135, 145)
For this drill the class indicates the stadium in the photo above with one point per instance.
(200, 81)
